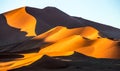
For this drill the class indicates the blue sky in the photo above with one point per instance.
(102, 11)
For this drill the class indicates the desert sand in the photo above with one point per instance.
(48, 39)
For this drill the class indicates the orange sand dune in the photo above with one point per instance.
(60, 32)
(65, 41)
(27, 60)
(62, 41)
(20, 19)
(102, 48)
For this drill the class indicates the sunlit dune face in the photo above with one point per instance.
(90, 33)
(60, 32)
(83, 40)
(101, 48)
(20, 19)
(67, 45)
(48, 33)
(65, 42)
(27, 60)
(105, 48)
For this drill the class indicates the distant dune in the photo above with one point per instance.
(48, 39)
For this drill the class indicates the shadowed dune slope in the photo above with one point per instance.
(30, 35)
(9, 35)
(84, 40)
(51, 16)
(65, 46)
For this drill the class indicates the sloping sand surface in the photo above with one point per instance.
(49, 40)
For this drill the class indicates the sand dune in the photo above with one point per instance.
(67, 45)
(20, 19)
(33, 38)
(73, 41)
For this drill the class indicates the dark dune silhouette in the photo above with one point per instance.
(75, 62)
(51, 16)
(48, 39)
(9, 35)
(105, 30)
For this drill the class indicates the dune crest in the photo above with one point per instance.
(20, 19)
(61, 32)
(55, 34)
(65, 42)
(85, 40)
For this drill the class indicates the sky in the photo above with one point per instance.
(102, 11)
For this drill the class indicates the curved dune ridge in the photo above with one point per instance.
(76, 39)
(20, 19)
(58, 41)
(64, 42)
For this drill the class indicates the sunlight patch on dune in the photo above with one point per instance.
(58, 41)
(20, 19)
(83, 40)
(65, 42)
